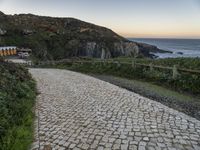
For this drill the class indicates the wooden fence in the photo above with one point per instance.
(175, 70)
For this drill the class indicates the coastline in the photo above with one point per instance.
(174, 47)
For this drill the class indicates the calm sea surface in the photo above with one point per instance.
(189, 47)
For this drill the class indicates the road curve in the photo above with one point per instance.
(76, 111)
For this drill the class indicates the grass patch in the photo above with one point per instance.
(181, 102)
(17, 97)
(146, 86)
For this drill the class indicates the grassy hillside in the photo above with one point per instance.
(53, 38)
(59, 38)
(17, 95)
(185, 82)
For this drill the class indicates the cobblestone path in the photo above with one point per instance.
(75, 111)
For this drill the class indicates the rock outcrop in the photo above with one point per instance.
(94, 49)
(59, 38)
(127, 48)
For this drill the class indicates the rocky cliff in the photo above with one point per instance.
(58, 38)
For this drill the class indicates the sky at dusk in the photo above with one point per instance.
(130, 18)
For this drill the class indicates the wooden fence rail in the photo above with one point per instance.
(175, 70)
(144, 65)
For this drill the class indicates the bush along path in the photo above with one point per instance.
(76, 111)
(17, 96)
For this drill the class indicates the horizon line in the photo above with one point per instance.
(178, 38)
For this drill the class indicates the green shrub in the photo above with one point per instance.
(17, 95)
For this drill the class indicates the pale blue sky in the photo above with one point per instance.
(130, 18)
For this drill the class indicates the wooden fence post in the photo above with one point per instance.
(151, 67)
(175, 72)
(104, 63)
(133, 64)
(53, 62)
(118, 64)
(93, 63)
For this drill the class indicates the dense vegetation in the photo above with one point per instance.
(17, 95)
(185, 82)
(53, 38)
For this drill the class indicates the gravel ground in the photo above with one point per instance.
(181, 102)
(76, 111)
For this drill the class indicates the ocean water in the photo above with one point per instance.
(189, 47)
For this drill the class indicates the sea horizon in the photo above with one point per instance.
(162, 38)
(178, 47)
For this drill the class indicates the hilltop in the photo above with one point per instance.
(59, 38)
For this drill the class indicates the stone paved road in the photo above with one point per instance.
(75, 111)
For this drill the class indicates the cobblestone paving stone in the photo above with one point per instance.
(75, 111)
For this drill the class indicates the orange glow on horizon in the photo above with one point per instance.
(145, 35)
(178, 32)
